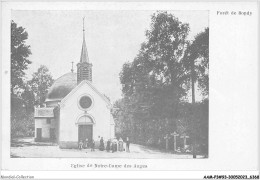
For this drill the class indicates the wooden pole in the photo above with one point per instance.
(175, 135)
(192, 110)
(167, 142)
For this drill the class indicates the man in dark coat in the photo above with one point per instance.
(101, 146)
(114, 145)
(108, 146)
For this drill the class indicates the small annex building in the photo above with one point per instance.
(75, 110)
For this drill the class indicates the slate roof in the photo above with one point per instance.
(62, 86)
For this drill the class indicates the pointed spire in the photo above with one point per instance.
(84, 68)
(84, 52)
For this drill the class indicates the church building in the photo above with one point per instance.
(75, 110)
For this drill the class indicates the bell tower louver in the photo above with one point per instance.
(84, 68)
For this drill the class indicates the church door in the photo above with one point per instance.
(85, 132)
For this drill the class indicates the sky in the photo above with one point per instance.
(112, 38)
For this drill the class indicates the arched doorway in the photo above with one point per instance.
(85, 128)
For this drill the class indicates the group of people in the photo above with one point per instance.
(87, 144)
(111, 145)
(116, 145)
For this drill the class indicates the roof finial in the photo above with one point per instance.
(72, 66)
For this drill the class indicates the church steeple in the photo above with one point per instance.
(84, 68)
(84, 52)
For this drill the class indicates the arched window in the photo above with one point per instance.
(85, 119)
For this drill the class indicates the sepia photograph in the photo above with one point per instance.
(109, 84)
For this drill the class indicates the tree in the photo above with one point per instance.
(201, 43)
(156, 82)
(159, 58)
(40, 83)
(19, 56)
(152, 84)
(19, 63)
(166, 42)
(195, 61)
(28, 98)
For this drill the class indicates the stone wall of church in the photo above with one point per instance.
(70, 112)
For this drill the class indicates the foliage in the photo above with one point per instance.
(166, 41)
(20, 107)
(198, 53)
(25, 94)
(22, 111)
(40, 83)
(156, 83)
(19, 56)
(22, 121)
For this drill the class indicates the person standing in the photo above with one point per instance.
(101, 146)
(120, 144)
(86, 144)
(80, 144)
(108, 145)
(127, 144)
(93, 145)
(114, 145)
